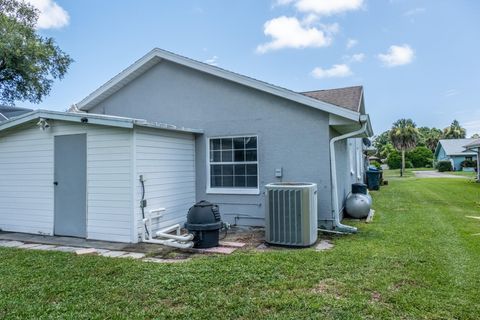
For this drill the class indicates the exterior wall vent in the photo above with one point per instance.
(291, 214)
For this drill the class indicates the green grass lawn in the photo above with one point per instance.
(464, 173)
(419, 259)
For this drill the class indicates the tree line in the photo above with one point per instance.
(406, 145)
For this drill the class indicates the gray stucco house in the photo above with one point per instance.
(455, 151)
(253, 132)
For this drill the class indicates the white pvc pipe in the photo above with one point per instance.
(333, 168)
(165, 233)
(167, 239)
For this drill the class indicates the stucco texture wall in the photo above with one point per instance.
(290, 135)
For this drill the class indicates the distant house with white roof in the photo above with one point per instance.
(454, 150)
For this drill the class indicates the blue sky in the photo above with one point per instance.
(416, 59)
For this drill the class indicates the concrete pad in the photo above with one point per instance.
(113, 254)
(44, 247)
(29, 245)
(232, 244)
(221, 250)
(85, 251)
(324, 245)
(11, 244)
(157, 260)
(67, 249)
(133, 255)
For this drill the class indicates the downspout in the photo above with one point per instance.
(338, 226)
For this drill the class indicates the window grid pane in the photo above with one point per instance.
(233, 162)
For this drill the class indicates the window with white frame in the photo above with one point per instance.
(233, 163)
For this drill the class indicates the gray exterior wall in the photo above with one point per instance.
(296, 141)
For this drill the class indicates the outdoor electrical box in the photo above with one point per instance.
(279, 172)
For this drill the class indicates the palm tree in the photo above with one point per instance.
(404, 135)
(455, 131)
(431, 140)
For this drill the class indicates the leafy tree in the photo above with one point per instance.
(454, 131)
(381, 142)
(394, 160)
(386, 150)
(432, 138)
(404, 135)
(28, 62)
(420, 157)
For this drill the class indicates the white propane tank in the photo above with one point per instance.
(358, 205)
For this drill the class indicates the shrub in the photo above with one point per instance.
(376, 164)
(444, 165)
(420, 157)
(468, 164)
(394, 160)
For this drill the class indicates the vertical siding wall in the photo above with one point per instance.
(167, 162)
(26, 180)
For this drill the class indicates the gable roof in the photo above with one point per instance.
(455, 147)
(7, 112)
(475, 144)
(349, 97)
(91, 118)
(157, 55)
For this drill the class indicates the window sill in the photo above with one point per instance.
(232, 191)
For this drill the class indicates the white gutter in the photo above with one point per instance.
(338, 226)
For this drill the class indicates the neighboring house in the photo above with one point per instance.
(7, 112)
(247, 134)
(454, 150)
(475, 147)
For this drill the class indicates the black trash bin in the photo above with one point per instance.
(373, 179)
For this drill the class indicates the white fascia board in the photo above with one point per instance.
(164, 126)
(64, 116)
(156, 54)
(2, 116)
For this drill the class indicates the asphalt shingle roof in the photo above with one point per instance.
(456, 146)
(348, 98)
(7, 112)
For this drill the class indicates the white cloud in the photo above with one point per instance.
(212, 61)
(289, 32)
(414, 11)
(323, 7)
(451, 92)
(357, 57)
(51, 14)
(397, 56)
(472, 126)
(336, 71)
(351, 43)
